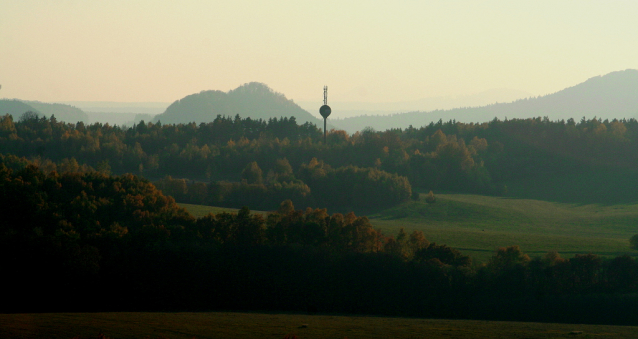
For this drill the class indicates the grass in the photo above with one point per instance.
(611, 185)
(478, 225)
(254, 325)
(199, 211)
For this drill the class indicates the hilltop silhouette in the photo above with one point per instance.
(15, 108)
(254, 100)
(62, 112)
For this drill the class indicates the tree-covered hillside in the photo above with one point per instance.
(15, 108)
(575, 161)
(254, 100)
(62, 112)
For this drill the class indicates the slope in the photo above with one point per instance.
(62, 112)
(15, 108)
(611, 96)
(254, 100)
(478, 225)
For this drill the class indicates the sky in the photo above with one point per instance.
(364, 51)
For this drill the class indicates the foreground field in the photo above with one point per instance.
(252, 325)
(478, 225)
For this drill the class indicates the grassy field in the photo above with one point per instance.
(478, 225)
(200, 210)
(254, 325)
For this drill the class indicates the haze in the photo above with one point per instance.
(367, 52)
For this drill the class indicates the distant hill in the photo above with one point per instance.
(15, 108)
(119, 113)
(62, 112)
(120, 119)
(254, 100)
(350, 109)
(611, 96)
(144, 107)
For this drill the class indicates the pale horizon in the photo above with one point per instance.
(383, 52)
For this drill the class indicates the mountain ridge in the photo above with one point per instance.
(610, 96)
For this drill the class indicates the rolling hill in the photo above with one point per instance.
(62, 112)
(612, 96)
(15, 108)
(254, 100)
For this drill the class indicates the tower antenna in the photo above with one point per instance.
(325, 95)
(325, 111)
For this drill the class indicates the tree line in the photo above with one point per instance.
(315, 184)
(95, 242)
(482, 158)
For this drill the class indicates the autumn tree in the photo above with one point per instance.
(442, 255)
(507, 268)
(252, 173)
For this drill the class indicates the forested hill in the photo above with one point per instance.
(14, 108)
(611, 96)
(61, 112)
(253, 100)
(586, 161)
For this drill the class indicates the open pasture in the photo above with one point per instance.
(253, 325)
(478, 225)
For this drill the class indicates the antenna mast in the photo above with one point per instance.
(325, 95)
(325, 111)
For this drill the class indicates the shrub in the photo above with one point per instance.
(430, 198)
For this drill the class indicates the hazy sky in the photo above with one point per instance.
(374, 51)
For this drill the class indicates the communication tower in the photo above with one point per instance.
(325, 111)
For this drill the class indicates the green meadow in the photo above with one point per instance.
(478, 225)
(201, 210)
(228, 325)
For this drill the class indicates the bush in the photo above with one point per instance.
(430, 198)
(633, 242)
